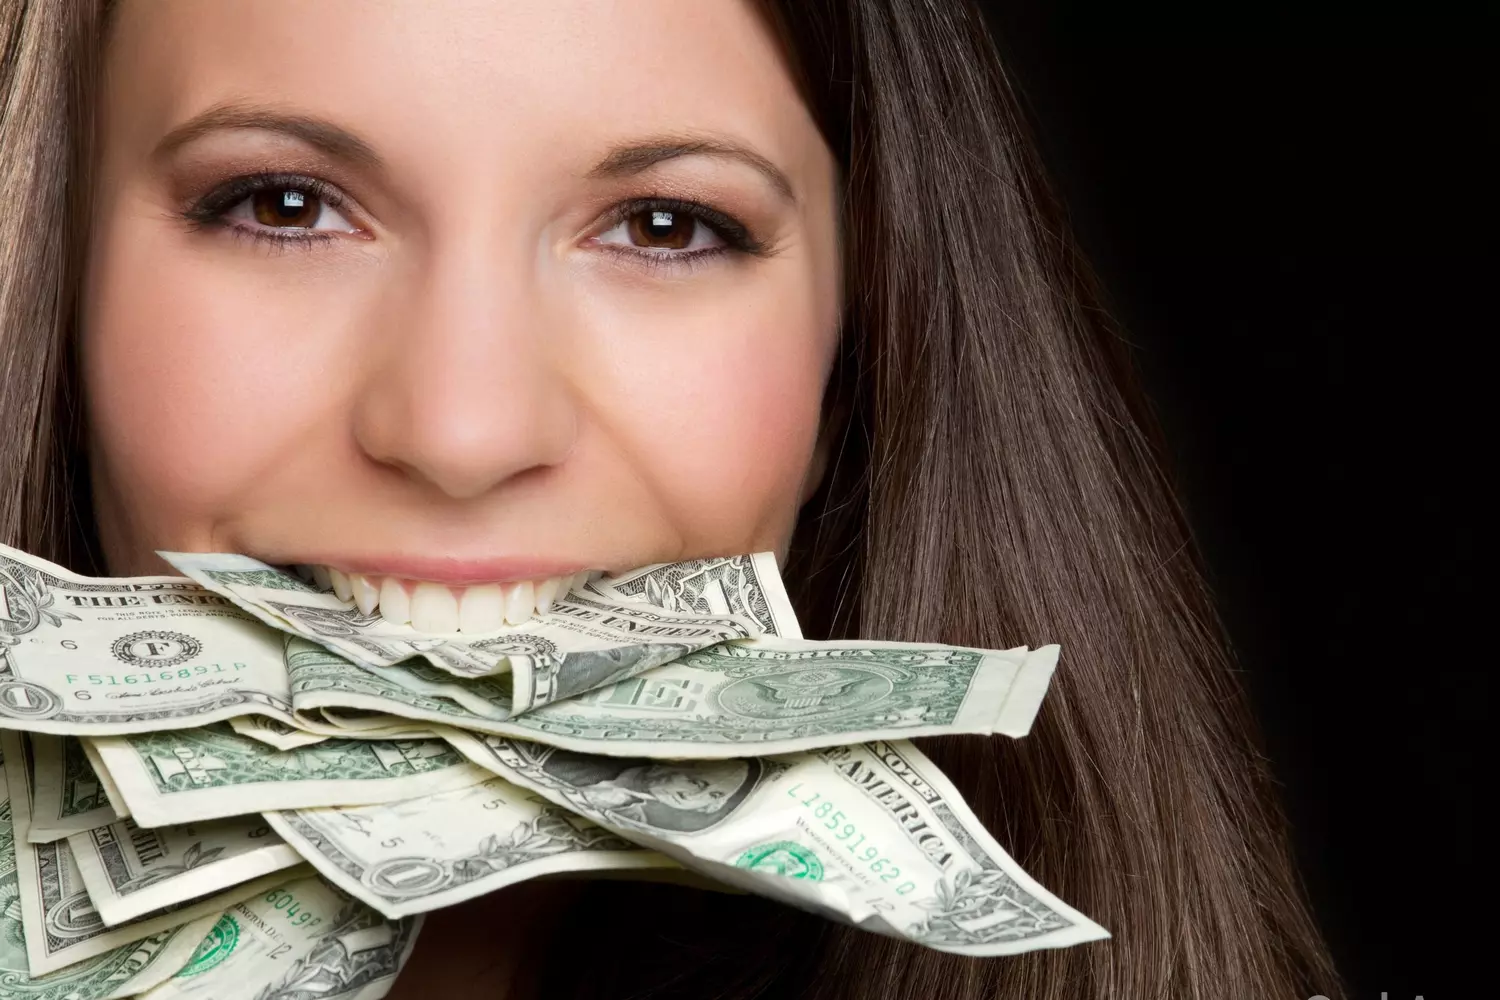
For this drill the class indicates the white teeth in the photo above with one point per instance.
(433, 608)
(395, 607)
(481, 609)
(366, 594)
(546, 593)
(520, 602)
(595, 574)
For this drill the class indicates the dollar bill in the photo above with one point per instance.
(103, 656)
(773, 696)
(357, 723)
(301, 940)
(52, 942)
(581, 644)
(111, 790)
(330, 690)
(188, 775)
(129, 871)
(438, 850)
(274, 732)
(69, 797)
(755, 697)
(125, 971)
(871, 834)
(749, 586)
(337, 724)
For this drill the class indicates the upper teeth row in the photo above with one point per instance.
(438, 607)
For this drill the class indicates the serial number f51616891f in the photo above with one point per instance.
(155, 676)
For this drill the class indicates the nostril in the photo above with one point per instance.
(466, 451)
(467, 389)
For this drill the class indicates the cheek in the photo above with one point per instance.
(197, 381)
(720, 406)
(739, 450)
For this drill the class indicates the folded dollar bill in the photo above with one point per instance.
(130, 872)
(747, 585)
(774, 696)
(871, 834)
(210, 772)
(438, 850)
(62, 949)
(127, 655)
(751, 697)
(582, 643)
(69, 795)
(303, 938)
(273, 732)
(110, 656)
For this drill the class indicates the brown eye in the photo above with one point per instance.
(285, 208)
(660, 229)
(669, 232)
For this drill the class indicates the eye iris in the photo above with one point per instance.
(284, 207)
(675, 229)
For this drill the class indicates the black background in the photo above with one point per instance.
(1287, 210)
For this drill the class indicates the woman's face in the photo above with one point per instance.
(440, 340)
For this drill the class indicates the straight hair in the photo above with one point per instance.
(996, 479)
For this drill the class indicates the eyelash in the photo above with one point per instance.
(208, 212)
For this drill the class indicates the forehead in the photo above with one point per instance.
(523, 81)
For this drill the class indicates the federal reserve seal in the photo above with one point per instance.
(155, 649)
(783, 857)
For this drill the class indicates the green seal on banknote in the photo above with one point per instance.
(217, 946)
(783, 857)
(800, 693)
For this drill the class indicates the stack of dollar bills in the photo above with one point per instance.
(236, 783)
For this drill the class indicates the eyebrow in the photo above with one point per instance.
(315, 132)
(624, 160)
(637, 156)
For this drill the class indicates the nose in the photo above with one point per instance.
(461, 389)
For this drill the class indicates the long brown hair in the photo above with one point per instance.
(995, 480)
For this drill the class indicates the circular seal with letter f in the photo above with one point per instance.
(155, 649)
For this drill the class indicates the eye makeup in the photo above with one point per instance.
(210, 211)
(735, 236)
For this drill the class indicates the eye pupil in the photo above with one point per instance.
(284, 207)
(673, 229)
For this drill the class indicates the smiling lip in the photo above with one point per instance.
(454, 572)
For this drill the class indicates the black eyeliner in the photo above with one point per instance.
(731, 229)
(208, 211)
(210, 207)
